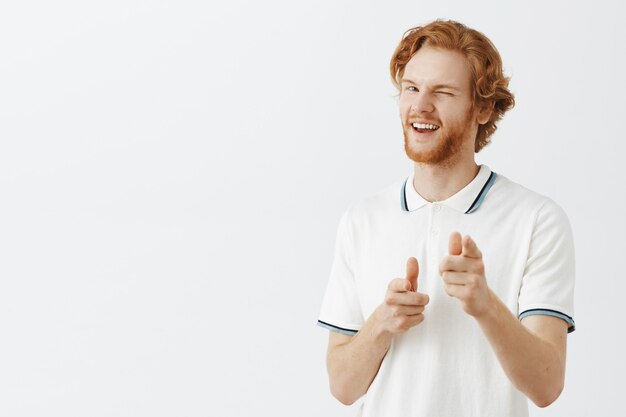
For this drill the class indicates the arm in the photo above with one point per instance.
(353, 361)
(531, 353)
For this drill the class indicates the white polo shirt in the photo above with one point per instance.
(445, 365)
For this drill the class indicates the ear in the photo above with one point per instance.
(485, 110)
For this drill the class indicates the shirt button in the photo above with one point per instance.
(437, 207)
(434, 232)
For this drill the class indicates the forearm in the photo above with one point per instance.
(532, 364)
(353, 366)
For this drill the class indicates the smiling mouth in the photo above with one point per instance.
(424, 127)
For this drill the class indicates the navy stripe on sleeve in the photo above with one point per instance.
(548, 312)
(338, 329)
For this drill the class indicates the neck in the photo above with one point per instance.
(437, 182)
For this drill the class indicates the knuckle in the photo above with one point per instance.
(416, 299)
(402, 323)
(443, 265)
(389, 299)
(474, 281)
(399, 284)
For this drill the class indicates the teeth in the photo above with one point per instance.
(425, 126)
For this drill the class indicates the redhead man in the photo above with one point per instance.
(451, 291)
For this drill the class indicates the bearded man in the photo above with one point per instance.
(451, 292)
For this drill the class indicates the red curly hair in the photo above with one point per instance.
(488, 81)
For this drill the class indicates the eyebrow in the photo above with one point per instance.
(449, 86)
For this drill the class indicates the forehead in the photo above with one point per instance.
(431, 66)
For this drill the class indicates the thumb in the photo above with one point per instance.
(455, 246)
(412, 270)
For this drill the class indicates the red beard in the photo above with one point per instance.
(449, 142)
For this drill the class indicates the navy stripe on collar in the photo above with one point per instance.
(482, 193)
(475, 205)
(403, 204)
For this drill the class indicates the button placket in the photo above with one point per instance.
(434, 230)
(434, 227)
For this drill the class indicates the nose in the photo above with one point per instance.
(422, 103)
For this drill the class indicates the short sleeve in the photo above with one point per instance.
(548, 282)
(341, 310)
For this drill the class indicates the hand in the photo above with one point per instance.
(403, 306)
(463, 274)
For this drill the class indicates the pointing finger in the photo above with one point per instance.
(470, 249)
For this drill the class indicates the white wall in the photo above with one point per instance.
(172, 174)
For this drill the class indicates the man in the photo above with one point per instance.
(451, 293)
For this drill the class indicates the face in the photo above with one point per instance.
(436, 94)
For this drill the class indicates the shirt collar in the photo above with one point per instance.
(466, 200)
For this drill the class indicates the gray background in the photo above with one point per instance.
(172, 174)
